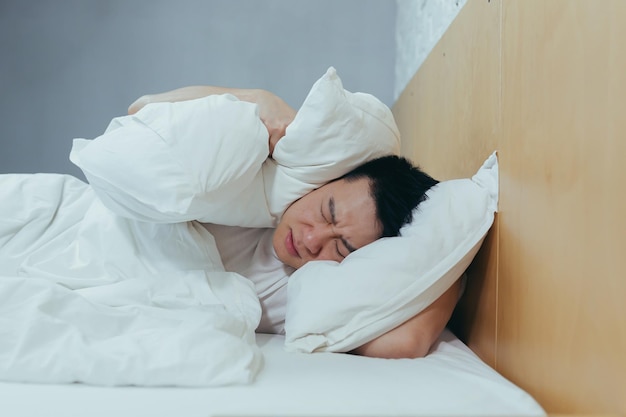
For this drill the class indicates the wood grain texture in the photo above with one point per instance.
(561, 310)
(544, 83)
(449, 117)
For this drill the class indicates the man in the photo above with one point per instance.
(370, 202)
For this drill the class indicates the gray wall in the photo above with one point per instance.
(68, 66)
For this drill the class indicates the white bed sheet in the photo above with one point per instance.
(450, 381)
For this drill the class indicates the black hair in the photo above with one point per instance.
(397, 187)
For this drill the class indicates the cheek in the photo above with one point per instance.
(329, 253)
(277, 239)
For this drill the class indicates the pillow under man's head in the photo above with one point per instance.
(339, 306)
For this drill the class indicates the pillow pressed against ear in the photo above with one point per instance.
(333, 132)
(206, 159)
(340, 306)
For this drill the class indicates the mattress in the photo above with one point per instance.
(451, 380)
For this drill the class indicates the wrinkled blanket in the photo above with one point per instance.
(94, 290)
(89, 296)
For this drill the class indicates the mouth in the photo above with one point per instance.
(291, 248)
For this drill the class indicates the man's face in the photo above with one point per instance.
(327, 224)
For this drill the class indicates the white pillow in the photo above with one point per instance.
(333, 132)
(176, 162)
(206, 159)
(340, 306)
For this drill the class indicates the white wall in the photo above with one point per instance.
(419, 26)
(67, 67)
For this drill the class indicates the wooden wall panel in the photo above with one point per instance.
(449, 117)
(544, 83)
(561, 310)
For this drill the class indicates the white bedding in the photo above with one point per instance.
(450, 381)
(115, 283)
(92, 292)
(89, 296)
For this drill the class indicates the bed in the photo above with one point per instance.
(113, 293)
(520, 342)
(451, 381)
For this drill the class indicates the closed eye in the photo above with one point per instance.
(323, 216)
(333, 220)
(342, 256)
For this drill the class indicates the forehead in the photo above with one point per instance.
(354, 209)
(346, 191)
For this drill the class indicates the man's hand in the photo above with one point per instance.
(275, 114)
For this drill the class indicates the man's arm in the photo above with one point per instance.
(274, 112)
(415, 337)
(193, 92)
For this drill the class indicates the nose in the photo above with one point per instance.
(315, 237)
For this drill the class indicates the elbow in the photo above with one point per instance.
(413, 350)
(403, 348)
(412, 346)
(421, 353)
(138, 104)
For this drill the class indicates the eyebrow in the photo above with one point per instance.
(333, 219)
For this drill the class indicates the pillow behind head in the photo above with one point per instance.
(340, 306)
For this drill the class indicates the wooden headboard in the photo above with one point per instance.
(544, 83)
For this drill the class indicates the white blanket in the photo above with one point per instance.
(89, 293)
(89, 296)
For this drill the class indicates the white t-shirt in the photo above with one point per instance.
(250, 253)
